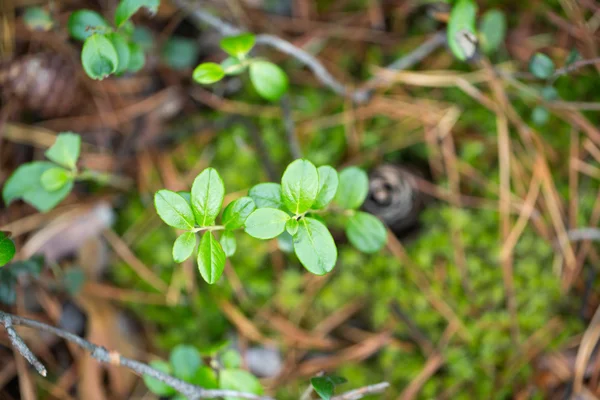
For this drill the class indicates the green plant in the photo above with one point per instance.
(7, 249)
(267, 78)
(325, 385)
(109, 49)
(269, 211)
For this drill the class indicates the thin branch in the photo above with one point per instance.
(290, 128)
(103, 355)
(575, 66)
(576, 235)
(363, 391)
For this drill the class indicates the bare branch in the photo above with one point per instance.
(362, 392)
(290, 128)
(580, 234)
(575, 66)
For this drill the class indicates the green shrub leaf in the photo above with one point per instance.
(266, 223)
(154, 385)
(366, 232)
(185, 361)
(184, 246)
(268, 79)
(123, 52)
(328, 185)
(37, 19)
(493, 30)
(237, 212)
(461, 29)
(314, 246)
(180, 52)
(540, 115)
(173, 209)
(323, 386)
(127, 8)
(353, 188)
(267, 195)
(238, 46)
(137, 58)
(291, 226)
(240, 380)
(208, 193)
(99, 57)
(299, 186)
(7, 249)
(541, 66)
(205, 377)
(211, 258)
(233, 66)
(228, 243)
(207, 73)
(84, 23)
(55, 179)
(65, 150)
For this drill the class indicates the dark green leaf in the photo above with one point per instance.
(205, 377)
(461, 32)
(74, 280)
(99, 57)
(268, 79)
(291, 226)
(180, 52)
(572, 57)
(184, 247)
(143, 37)
(211, 258)
(540, 115)
(65, 150)
(127, 8)
(26, 183)
(228, 243)
(238, 46)
(366, 232)
(233, 66)
(353, 188)
(493, 30)
(7, 249)
(137, 58)
(323, 386)
(541, 66)
(240, 380)
(208, 193)
(267, 195)
(266, 223)
(55, 179)
(37, 19)
(123, 52)
(154, 385)
(185, 361)
(314, 246)
(173, 209)
(84, 23)
(207, 73)
(328, 185)
(237, 212)
(299, 186)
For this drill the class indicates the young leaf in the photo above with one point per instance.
(366, 232)
(123, 52)
(65, 150)
(180, 53)
(239, 380)
(541, 66)
(37, 19)
(493, 30)
(266, 223)
(55, 179)
(99, 57)
(228, 243)
(173, 209)
(205, 377)
(291, 226)
(84, 23)
(233, 66)
(207, 73)
(237, 212)
(7, 249)
(184, 246)
(208, 193)
(299, 186)
(268, 79)
(328, 185)
(266, 195)
(231, 359)
(25, 183)
(127, 8)
(185, 361)
(323, 386)
(461, 29)
(314, 246)
(154, 385)
(137, 58)
(238, 46)
(211, 258)
(353, 188)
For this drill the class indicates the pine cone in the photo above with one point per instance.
(45, 83)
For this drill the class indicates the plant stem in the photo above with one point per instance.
(208, 228)
(103, 178)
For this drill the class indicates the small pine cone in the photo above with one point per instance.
(394, 197)
(45, 83)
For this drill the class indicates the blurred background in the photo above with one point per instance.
(486, 288)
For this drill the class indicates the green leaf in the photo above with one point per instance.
(211, 258)
(184, 246)
(207, 73)
(337, 380)
(137, 58)
(285, 242)
(572, 57)
(84, 23)
(127, 8)
(228, 243)
(173, 209)
(144, 37)
(299, 186)
(461, 29)
(541, 66)
(55, 179)
(549, 93)
(540, 115)
(266, 195)
(7, 249)
(208, 193)
(37, 19)
(366, 232)
(238, 46)
(180, 53)
(237, 212)
(266, 223)
(240, 380)
(65, 150)
(314, 246)
(26, 183)
(123, 52)
(268, 79)
(186, 195)
(323, 386)
(185, 361)
(233, 66)
(154, 385)
(74, 279)
(291, 226)
(205, 377)
(99, 57)
(231, 359)
(328, 185)
(353, 188)
(493, 30)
